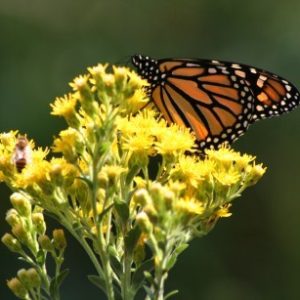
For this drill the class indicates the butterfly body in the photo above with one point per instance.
(217, 100)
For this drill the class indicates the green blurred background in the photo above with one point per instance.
(255, 254)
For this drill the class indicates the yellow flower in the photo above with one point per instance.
(227, 157)
(137, 101)
(113, 172)
(64, 106)
(135, 81)
(34, 173)
(189, 206)
(97, 73)
(188, 169)
(80, 82)
(2, 176)
(62, 172)
(8, 139)
(140, 143)
(254, 173)
(174, 140)
(39, 154)
(223, 212)
(227, 177)
(69, 143)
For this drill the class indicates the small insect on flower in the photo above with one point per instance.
(22, 153)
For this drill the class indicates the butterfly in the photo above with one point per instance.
(218, 100)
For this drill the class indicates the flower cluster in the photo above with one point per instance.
(121, 181)
(28, 239)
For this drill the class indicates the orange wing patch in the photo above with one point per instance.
(168, 65)
(223, 91)
(192, 117)
(219, 79)
(191, 89)
(263, 97)
(272, 93)
(226, 118)
(156, 96)
(235, 107)
(214, 125)
(188, 71)
(277, 86)
(172, 110)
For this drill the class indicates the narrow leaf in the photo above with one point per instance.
(97, 281)
(122, 210)
(171, 294)
(138, 277)
(132, 238)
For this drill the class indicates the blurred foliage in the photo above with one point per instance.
(44, 44)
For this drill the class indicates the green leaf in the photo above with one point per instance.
(149, 277)
(41, 257)
(138, 277)
(100, 283)
(61, 277)
(105, 211)
(97, 281)
(133, 172)
(122, 210)
(132, 238)
(178, 250)
(172, 293)
(149, 292)
(171, 262)
(116, 265)
(56, 282)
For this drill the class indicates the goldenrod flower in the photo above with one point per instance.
(80, 83)
(227, 157)
(189, 207)
(64, 106)
(69, 143)
(188, 169)
(175, 140)
(223, 211)
(227, 177)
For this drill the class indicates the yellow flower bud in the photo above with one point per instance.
(142, 197)
(22, 275)
(21, 204)
(59, 239)
(102, 180)
(143, 220)
(21, 234)
(120, 74)
(12, 217)
(39, 222)
(17, 288)
(34, 278)
(11, 243)
(45, 243)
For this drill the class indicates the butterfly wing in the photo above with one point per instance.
(273, 95)
(202, 95)
(216, 99)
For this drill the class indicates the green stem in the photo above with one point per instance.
(161, 273)
(100, 240)
(126, 280)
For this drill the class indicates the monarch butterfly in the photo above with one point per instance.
(218, 100)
